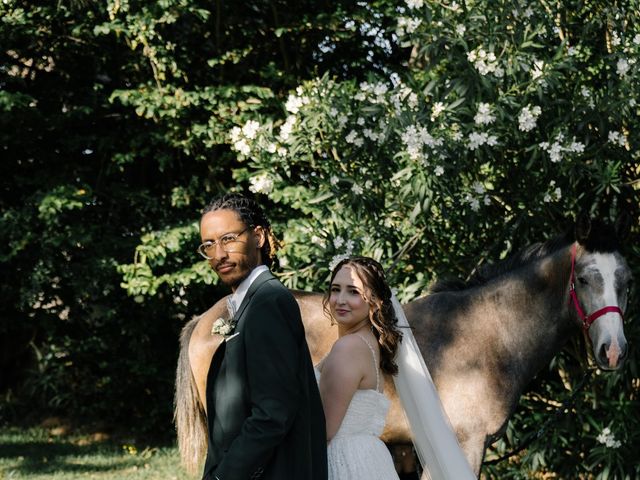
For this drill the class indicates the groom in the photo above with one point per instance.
(264, 414)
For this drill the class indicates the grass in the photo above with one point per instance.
(55, 454)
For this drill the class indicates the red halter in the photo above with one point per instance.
(586, 320)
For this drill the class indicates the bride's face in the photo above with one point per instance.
(348, 306)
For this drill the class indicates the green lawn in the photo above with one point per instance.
(39, 453)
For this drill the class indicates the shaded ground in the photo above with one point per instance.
(54, 451)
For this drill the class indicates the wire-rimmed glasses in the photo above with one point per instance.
(207, 249)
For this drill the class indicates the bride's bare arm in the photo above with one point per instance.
(343, 372)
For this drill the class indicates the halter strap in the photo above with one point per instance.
(573, 298)
(375, 363)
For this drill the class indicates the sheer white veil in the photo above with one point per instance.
(433, 438)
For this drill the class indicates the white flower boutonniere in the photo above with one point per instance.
(223, 326)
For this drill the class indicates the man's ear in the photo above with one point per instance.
(261, 234)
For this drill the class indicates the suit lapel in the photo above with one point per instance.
(257, 283)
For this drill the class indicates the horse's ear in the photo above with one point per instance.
(623, 226)
(583, 227)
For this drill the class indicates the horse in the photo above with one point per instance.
(483, 339)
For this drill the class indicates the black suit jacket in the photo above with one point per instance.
(265, 417)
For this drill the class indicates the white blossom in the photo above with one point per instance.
(460, 30)
(456, 136)
(351, 136)
(235, 134)
(287, 127)
(483, 116)
(485, 62)
(242, 146)
(537, 69)
(349, 247)
(636, 39)
(455, 7)
(478, 188)
(558, 193)
(250, 129)
(415, 138)
(576, 147)
(412, 4)
(412, 100)
(334, 180)
(617, 138)
(477, 139)
(556, 149)
(407, 25)
(293, 104)
(439, 170)
(437, 109)
(338, 241)
(357, 189)
(615, 39)
(607, 438)
(528, 117)
(261, 184)
(622, 67)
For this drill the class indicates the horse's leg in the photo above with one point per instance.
(403, 458)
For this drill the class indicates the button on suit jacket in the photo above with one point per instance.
(265, 417)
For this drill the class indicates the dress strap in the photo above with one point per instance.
(375, 362)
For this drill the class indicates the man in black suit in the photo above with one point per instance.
(264, 413)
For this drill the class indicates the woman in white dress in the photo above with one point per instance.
(350, 376)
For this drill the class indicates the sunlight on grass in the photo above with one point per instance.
(38, 453)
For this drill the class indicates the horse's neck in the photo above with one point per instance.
(536, 320)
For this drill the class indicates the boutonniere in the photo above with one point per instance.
(223, 326)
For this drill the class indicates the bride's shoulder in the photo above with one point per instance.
(349, 348)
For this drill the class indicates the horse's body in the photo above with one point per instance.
(484, 341)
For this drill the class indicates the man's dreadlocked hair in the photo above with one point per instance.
(251, 215)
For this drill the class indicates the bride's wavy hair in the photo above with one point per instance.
(381, 314)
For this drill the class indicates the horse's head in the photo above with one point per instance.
(601, 278)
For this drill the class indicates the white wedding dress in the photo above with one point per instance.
(356, 451)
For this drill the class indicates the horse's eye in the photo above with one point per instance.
(583, 281)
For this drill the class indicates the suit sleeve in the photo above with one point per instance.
(273, 335)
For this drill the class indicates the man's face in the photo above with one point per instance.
(241, 256)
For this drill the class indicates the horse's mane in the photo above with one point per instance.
(485, 273)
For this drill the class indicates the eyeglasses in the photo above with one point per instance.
(207, 249)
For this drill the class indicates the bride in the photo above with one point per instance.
(350, 376)
(369, 341)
